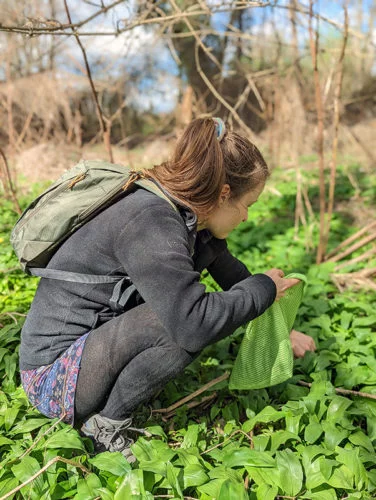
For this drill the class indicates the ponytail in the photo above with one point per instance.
(206, 157)
(195, 173)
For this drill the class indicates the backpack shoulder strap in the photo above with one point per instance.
(91, 279)
(153, 187)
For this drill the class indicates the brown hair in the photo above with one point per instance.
(200, 165)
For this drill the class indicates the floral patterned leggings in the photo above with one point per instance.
(51, 388)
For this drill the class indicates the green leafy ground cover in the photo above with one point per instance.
(288, 441)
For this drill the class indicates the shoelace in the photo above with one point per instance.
(126, 425)
(120, 442)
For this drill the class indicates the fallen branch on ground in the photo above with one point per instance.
(345, 392)
(204, 388)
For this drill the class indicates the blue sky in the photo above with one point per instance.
(134, 50)
(143, 51)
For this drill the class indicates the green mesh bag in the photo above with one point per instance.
(265, 356)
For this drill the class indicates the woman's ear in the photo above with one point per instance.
(225, 193)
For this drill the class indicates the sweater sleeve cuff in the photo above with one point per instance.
(269, 286)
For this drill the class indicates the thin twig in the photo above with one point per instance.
(355, 246)
(9, 181)
(233, 112)
(192, 404)
(198, 39)
(43, 469)
(362, 144)
(314, 42)
(214, 8)
(238, 431)
(345, 392)
(352, 238)
(337, 98)
(355, 260)
(41, 436)
(104, 124)
(202, 389)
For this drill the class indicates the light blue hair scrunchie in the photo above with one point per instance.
(220, 128)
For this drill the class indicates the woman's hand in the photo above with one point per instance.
(301, 343)
(282, 284)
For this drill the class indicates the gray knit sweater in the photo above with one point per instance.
(141, 236)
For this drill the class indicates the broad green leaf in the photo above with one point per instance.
(212, 488)
(268, 414)
(132, 486)
(88, 488)
(222, 472)
(29, 425)
(326, 358)
(333, 435)
(214, 410)
(350, 458)
(194, 475)
(270, 476)
(191, 436)
(232, 491)
(291, 472)
(188, 457)
(3, 351)
(105, 494)
(312, 432)
(261, 442)
(323, 494)
(113, 462)
(326, 467)
(367, 458)
(346, 318)
(64, 438)
(8, 485)
(360, 439)
(245, 457)
(156, 430)
(337, 408)
(156, 466)
(10, 416)
(282, 437)
(313, 474)
(366, 321)
(266, 492)
(152, 450)
(173, 480)
(4, 441)
(11, 363)
(293, 423)
(342, 478)
(27, 468)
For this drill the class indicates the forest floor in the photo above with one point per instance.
(285, 441)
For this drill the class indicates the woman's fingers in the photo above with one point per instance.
(301, 343)
(289, 282)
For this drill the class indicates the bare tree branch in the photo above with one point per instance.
(233, 112)
(104, 124)
(43, 469)
(337, 97)
(63, 29)
(8, 183)
(314, 42)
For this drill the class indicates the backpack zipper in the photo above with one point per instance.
(56, 190)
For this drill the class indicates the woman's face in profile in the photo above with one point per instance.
(230, 213)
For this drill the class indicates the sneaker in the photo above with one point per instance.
(109, 435)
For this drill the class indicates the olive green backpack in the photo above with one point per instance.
(75, 198)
